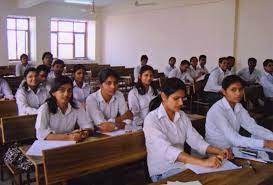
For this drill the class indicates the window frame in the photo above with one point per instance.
(27, 32)
(74, 33)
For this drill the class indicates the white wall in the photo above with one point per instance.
(43, 13)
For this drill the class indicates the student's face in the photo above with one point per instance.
(234, 92)
(79, 75)
(144, 62)
(269, 68)
(109, 86)
(147, 78)
(252, 65)
(32, 79)
(24, 60)
(194, 62)
(63, 94)
(42, 76)
(202, 61)
(173, 102)
(172, 62)
(231, 63)
(224, 65)
(58, 69)
(48, 61)
(184, 68)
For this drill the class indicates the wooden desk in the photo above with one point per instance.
(244, 176)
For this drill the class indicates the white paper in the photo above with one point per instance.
(183, 183)
(226, 165)
(237, 154)
(115, 133)
(39, 145)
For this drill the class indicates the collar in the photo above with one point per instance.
(268, 74)
(68, 110)
(227, 106)
(75, 85)
(101, 99)
(161, 113)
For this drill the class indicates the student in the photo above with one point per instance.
(167, 128)
(231, 63)
(47, 59)
(81, 90)
(31, 95)
(194, 69)
(21, 67)
(170, 67)
(57, 117)
(250, 75)
(141, 95)
(57, 69)
(267, 82)
(143, 61)
(5, 92)
(202, 63)
(227, 115)
(43, 71)
(213, 87)
(182, 72)
(107, 106)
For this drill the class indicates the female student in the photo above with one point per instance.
(57, 117)
(166, 130)
(141, 95)
(227, 115)
(31, 95)
(5, 92)
(107, 106)
(81, 90)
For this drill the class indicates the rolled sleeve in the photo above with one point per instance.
(93, 111)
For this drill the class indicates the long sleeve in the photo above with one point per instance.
(212, 84)
(22, 103)
(6, 90)
(93, 111)
(267, 86)
(42, 123)
(83, 120)
(136, 73)
(18, 70)
(135, 107)
(173, 74)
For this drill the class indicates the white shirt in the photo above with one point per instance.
(99, 111)
(28, 102)
(60, 123)
(168, 69)
(20, 69)
(254, 77)
(223, 125)
(194, 72)
(80, 94)
(51, 75)
(136, 72)
(267, 82)
(5, 91)
(176, 73)
(204, 70)
(215, 80)
(139, 104)
(165, 140)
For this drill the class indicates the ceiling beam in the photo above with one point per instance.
(29, 3)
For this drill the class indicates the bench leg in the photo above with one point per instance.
(18, 179)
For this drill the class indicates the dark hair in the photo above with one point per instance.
(170, 86)
(78, 67)
(43, 68)
(222, 59)
(202, 56)
(185, 62)
(140, 87)
(172, 58)
(23, 55)
(193, 58)
(231, 79)
(230, 58)
(58, 61)
(267, 61)
(105, 73)
(252, 60)
(55, 86)
(143, 57)
(28, 70)
(45, 54)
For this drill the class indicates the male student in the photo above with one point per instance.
(249, 74)
(21, 67)
(213, 87)
(202, 63)
(267, 82)
(57, 69)
(143, 62)
(231, 63)
(5, 92)
(170, 67)
(182, 72)
(195, 70)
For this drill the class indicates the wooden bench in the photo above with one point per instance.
(8, 108)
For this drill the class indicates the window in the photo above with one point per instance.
(18, 37)
(68, 39)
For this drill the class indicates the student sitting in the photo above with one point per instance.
(194, 70)
(170, 67)
(167, 129)
(182, 72)
(143, 61)
(250, 75)
(107, 106)
(267, 82)
(231, 63)
(43, 72)
(81, 90)
(141, 95)
(226, 116)
(31, 95)
(5, 92)
(57, 69)
(21, 67)
(47, 59)
(57, 117)
(202, 63)
(213, 87)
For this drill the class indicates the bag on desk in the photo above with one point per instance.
(15, 157)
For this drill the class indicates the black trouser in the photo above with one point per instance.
(268, 106)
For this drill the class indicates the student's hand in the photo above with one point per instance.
(213, 162)
(128, 115)
(227, 153)
(121, 125)
(107, 127)
(75, 136)
(268, 144)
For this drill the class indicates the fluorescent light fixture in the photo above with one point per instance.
(84, 2)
